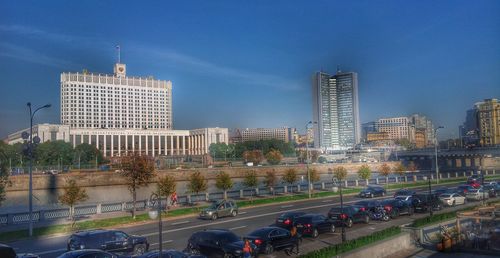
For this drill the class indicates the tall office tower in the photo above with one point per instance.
(336, 110)
(489, 122)
(115, 101)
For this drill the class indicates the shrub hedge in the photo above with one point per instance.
(349, 245)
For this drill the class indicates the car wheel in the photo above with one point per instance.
(234, 213)
(269, 249)
(332, 228)
(371, 195)
(226, 255)
(214, 216)
(349, 223)
(394, 214)
(453, 204)
(383, 193)
(367, 219)
(139, 249)
(315, 233)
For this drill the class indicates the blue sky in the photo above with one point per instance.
(249, 63)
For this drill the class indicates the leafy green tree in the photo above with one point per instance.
(270, 180)
(197, 183)
(340, 173)
(166, 186)
(250, 180)
(86, 154)
(400, 170)
(385, 170)
(223, 182)
(313, 173)
(4, 174)
(73, 194)
(290, 176)
(218, 150)
(322, 160)
(54, 153)
(274, 157)
(364, 172)
(254, 156)
(138, 171)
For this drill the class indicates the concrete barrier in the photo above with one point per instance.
(383, 248)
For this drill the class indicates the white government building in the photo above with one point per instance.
(120, 115)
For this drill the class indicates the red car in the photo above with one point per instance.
(474, 184)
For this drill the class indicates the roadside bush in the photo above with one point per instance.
(349, 245)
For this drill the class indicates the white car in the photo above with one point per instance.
(451, 199)
(477, 195)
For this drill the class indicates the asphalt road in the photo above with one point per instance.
(176, 232)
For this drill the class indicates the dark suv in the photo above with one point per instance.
(287, 219)
(313, 224)
(348, 215)
(404, 192)
(108, 240)
(372, 191)
(217, 243)
(219, 209)
(396, 207)
(424, 201)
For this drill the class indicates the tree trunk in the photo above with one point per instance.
(387, 180)
(225, 194)
(134, 197)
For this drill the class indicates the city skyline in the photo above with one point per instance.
(259, 77)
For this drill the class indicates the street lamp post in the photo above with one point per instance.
(30, 152)
(156, 199)
(431, 212)
(342, 211)
(307, 159)
(436, 152)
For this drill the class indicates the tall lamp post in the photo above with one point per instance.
(431, 212)
(30, 152)
(307, 158)
(436, 152)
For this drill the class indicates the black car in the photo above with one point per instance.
(491, 189)
(217, 243)
(443, 190)
(368, 206)
(170, 254)
(8, 252)
(372, 191)
(108, 240)
(314, 224)
(474, 179)
(396, 207)
(287, 219)
(269, 239)
(348, 215)
(425, 201)
(92, 253)
(404, 192)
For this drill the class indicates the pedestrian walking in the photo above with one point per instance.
(174, 199)
(295, 234)
(247, 249)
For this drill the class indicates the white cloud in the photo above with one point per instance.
(32, 56)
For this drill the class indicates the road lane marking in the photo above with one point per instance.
(240, 227)
(242, 212)
(287, 206)
(52, 251)
(180, 222)
(165, 242)
(327, 201)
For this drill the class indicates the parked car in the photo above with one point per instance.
(474, 178)
(475, 184)
(491, 189)
(87, 253)
(408, 199)
(452, 199)
(108, 240)
(219, 209)
(464, 189)
(269, 239)
(9, 252)
(287, 219)
(372, 191)
(348, 215)
(441, 191)
(395, 207)
(477, 195)
(313, 224)
(170, 254)
(368, 205)
(425, 201)
(404, 192)
(217, 243)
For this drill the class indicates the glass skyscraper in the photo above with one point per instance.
(336, 110)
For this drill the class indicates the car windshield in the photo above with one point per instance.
(214, 205)
(306, 219)
(229, 238)
(445, 195)
(262, 232)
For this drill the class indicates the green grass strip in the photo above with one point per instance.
(349, 245)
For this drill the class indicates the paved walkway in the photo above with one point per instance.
(424, 253)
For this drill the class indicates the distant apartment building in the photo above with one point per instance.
(285, 134)
(489, 122)
(425, 126)
(397, 128)
(421, 138)
(469, 130)
(366, 128)
(336, 110)
(377, 137)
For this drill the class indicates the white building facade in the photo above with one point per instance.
(255, 134)
(46, 132)
(397, 128)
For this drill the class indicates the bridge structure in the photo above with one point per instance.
(453, 159)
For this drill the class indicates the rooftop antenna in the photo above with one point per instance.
(118, 52)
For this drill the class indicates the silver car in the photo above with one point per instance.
(477, 195)
(452, 199)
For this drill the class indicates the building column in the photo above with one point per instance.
(112, 145)
(119, 145)
(74, 141)
(152, 145)
(90, 139)
(140, 144)
(104, 147)
(126, 145)
(147, 145)
(184, 145)
(172, 145)
(177, 146)
(165, 145)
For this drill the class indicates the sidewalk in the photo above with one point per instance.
(424, 253)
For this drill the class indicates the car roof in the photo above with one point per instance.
(91, 232)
